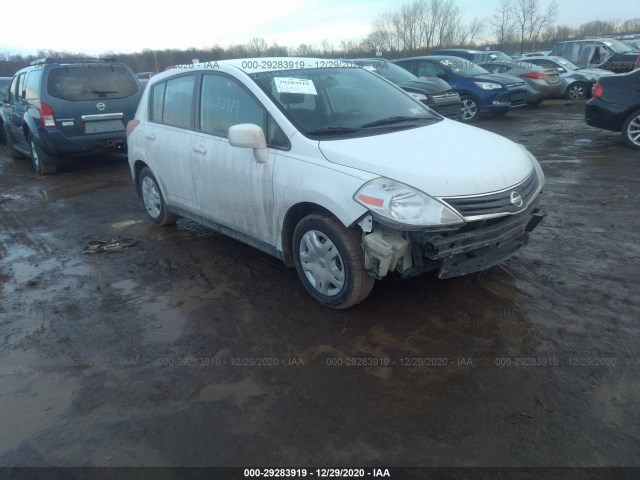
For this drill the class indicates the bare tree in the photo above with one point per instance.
(502, 21)
(543, 20)
(523, 12)
(257, 47)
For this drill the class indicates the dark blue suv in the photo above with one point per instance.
(59, 107)
(481, 92)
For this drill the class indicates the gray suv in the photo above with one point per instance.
(59, 107)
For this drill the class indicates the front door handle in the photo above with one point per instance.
(200, 149)
(151, 136)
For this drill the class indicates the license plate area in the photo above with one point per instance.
(104, 126)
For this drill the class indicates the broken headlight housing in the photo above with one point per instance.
(399, 205)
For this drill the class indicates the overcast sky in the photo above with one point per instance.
(132, 25)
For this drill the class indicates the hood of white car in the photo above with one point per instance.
(443, 159)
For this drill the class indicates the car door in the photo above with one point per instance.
(17, 107)
(167, 139)
(232, 188)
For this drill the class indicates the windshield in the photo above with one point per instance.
(463, 67)
(339, 102)
(616, 45)
(567, 64)
(485, 57)
(390, 71)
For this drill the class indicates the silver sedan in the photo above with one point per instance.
(576, 82)
(542, 83)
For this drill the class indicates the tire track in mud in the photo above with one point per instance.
(20, 233)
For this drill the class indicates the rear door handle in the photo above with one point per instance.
(200, 149)
(151, 136)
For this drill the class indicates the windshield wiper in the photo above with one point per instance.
(394, 119)
(333, 130)
(104, 91)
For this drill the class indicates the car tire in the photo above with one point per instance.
(576, 91)
(13, 153)
(329, 259)
(469, 109)
(43, 163)
(153, 200)
(631, 130)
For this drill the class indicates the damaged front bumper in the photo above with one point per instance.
(476, 246)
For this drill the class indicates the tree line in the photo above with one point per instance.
(415, 27)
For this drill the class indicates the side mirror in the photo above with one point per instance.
(248, 135)
(561, 70)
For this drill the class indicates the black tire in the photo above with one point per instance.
(43, 164)
(13, 153)
(631, 130)
(343, 261)
(153, 200)
(577, 91)
(469, 109)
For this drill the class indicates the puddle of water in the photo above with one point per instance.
(36, 401)
(124, 224)
(167, 322)
(25, 271)
(73, 190)
(126, 287)
(238, 392)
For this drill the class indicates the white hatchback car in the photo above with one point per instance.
(332, 169)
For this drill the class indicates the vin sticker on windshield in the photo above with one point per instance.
(295, 85)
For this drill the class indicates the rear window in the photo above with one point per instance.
(91, 82)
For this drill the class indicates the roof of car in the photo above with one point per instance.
(269, 64)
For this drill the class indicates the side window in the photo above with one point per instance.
(224, 103)
(12, 90)
(21, 82)
(157, 102)
(275, 136)
(178, 102)
(33, 85)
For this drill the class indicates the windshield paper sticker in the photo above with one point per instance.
(295, 85)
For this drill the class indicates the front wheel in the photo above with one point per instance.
(153, 201)
(631, 130)
(469, 109)
(43, 163)
(330, 262)
(576, 91)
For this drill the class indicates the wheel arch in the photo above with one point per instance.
(293, 216)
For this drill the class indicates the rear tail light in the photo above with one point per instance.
(131, 126)
(597, 91)
(534, 75)
(46, 116)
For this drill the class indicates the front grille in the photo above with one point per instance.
(517, 97)
(496, 203)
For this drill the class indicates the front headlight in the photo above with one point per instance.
(488, 85)
(418, 96)
(401, 204)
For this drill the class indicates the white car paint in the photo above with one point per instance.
(206, 178)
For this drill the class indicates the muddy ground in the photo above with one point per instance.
(190, 348)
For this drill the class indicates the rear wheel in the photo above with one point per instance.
(631, 130)
(330, 261)
(153, 201)
(43, 164)
(469, 109)
(15, 154)
(576, 91)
